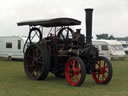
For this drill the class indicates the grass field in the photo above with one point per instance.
(13, 82)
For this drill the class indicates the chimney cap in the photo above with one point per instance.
(88, 9)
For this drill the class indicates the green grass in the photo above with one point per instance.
(13, 82)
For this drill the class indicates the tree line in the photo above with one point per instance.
(110, 37)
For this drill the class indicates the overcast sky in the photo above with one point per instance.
(110, 16)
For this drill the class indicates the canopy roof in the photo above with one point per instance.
(52, 22)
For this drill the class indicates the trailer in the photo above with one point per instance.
(11, 47)
(125, 46)
(112, 49)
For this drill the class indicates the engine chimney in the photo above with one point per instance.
(88, 26)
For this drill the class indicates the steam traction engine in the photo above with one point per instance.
(64, 52)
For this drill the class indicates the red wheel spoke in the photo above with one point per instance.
(68, 69)
(78, 72)
(76, 77)
(98, 75)
(99, 64)
(104, 64)
(78, 69)
(106, 72)
(104, 77)
(73, 62)
(70, 75)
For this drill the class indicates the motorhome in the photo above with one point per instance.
(125, 46)
(112, 49)
(11, 47)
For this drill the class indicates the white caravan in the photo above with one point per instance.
(125, 46)
(112, 49)
(12, 47)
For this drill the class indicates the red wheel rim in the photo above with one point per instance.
(73, 72)
(102, 73)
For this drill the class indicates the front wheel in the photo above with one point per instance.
(103, 72)
(75, 71)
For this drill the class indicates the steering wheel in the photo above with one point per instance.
(65, 33)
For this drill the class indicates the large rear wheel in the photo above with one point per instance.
(75, 71)
(103, 73)
(37, 62)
